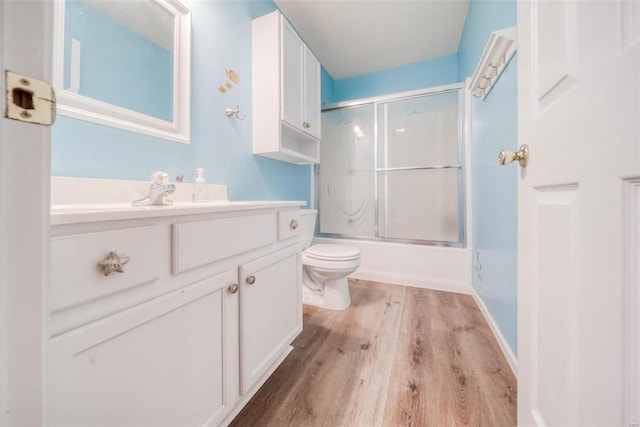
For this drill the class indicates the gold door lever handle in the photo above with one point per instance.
(522, 156)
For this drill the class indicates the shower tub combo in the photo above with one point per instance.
(391, 182)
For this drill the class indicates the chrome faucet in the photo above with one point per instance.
(159, 191)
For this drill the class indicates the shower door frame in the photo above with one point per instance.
(461, 166)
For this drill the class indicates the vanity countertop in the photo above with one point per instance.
(84, 213)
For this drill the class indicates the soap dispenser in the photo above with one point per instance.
(201, 193)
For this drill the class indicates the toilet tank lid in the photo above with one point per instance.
(332, 251)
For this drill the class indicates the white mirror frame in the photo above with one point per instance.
(81, 107)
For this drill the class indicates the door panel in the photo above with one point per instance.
(552, 348)
(578, 110)
(631, 297)
(554, 34)
(24, 217)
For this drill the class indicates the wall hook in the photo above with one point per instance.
(235, 112)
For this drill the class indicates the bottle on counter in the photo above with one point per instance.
(200, 193)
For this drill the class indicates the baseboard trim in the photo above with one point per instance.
(502, 342)
(411, 280)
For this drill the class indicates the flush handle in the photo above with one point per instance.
(251, 280)
(522, 156)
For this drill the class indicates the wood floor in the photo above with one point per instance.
(399, 356)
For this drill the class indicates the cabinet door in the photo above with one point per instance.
(270, 311)
(292, 77)
(161, 363)
(312, 94)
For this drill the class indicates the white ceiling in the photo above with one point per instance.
(353, 37)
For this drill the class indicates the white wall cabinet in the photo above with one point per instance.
(286, 93)
(188, 344)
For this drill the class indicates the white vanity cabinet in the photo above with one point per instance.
(161, 363)
(286, 93)
(204, 311)
(268, 328)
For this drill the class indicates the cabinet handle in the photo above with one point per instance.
(306, 125)
(233, 288)
(251, 280)
(293, 224)
(113, 262)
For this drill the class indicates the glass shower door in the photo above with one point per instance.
(419, 169)
(391, 169)
(346, 175)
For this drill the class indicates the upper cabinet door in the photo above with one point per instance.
(312, 94)
(292, 78)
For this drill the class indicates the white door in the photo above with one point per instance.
(578, 110)
(25, 48)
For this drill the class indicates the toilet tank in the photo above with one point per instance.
(307, 226)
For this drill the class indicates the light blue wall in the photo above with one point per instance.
(419, 75)
(327, 86)
(494, 187)
(221, 39)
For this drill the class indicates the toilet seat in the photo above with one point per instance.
(324, 252)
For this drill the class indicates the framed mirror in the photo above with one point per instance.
(125, 64)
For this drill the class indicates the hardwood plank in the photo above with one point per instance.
(411, 379)
(493, 373)
(366, 404)
(397, 356)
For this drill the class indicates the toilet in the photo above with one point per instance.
(325, 268)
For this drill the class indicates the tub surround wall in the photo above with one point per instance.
(494, 187)
(430, 267)
(221, 40)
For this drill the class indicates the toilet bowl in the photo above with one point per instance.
(325, 268)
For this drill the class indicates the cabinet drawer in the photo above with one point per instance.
(76, 276)
(288, 224)
(199, 243)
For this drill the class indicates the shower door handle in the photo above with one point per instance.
(522, 156)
